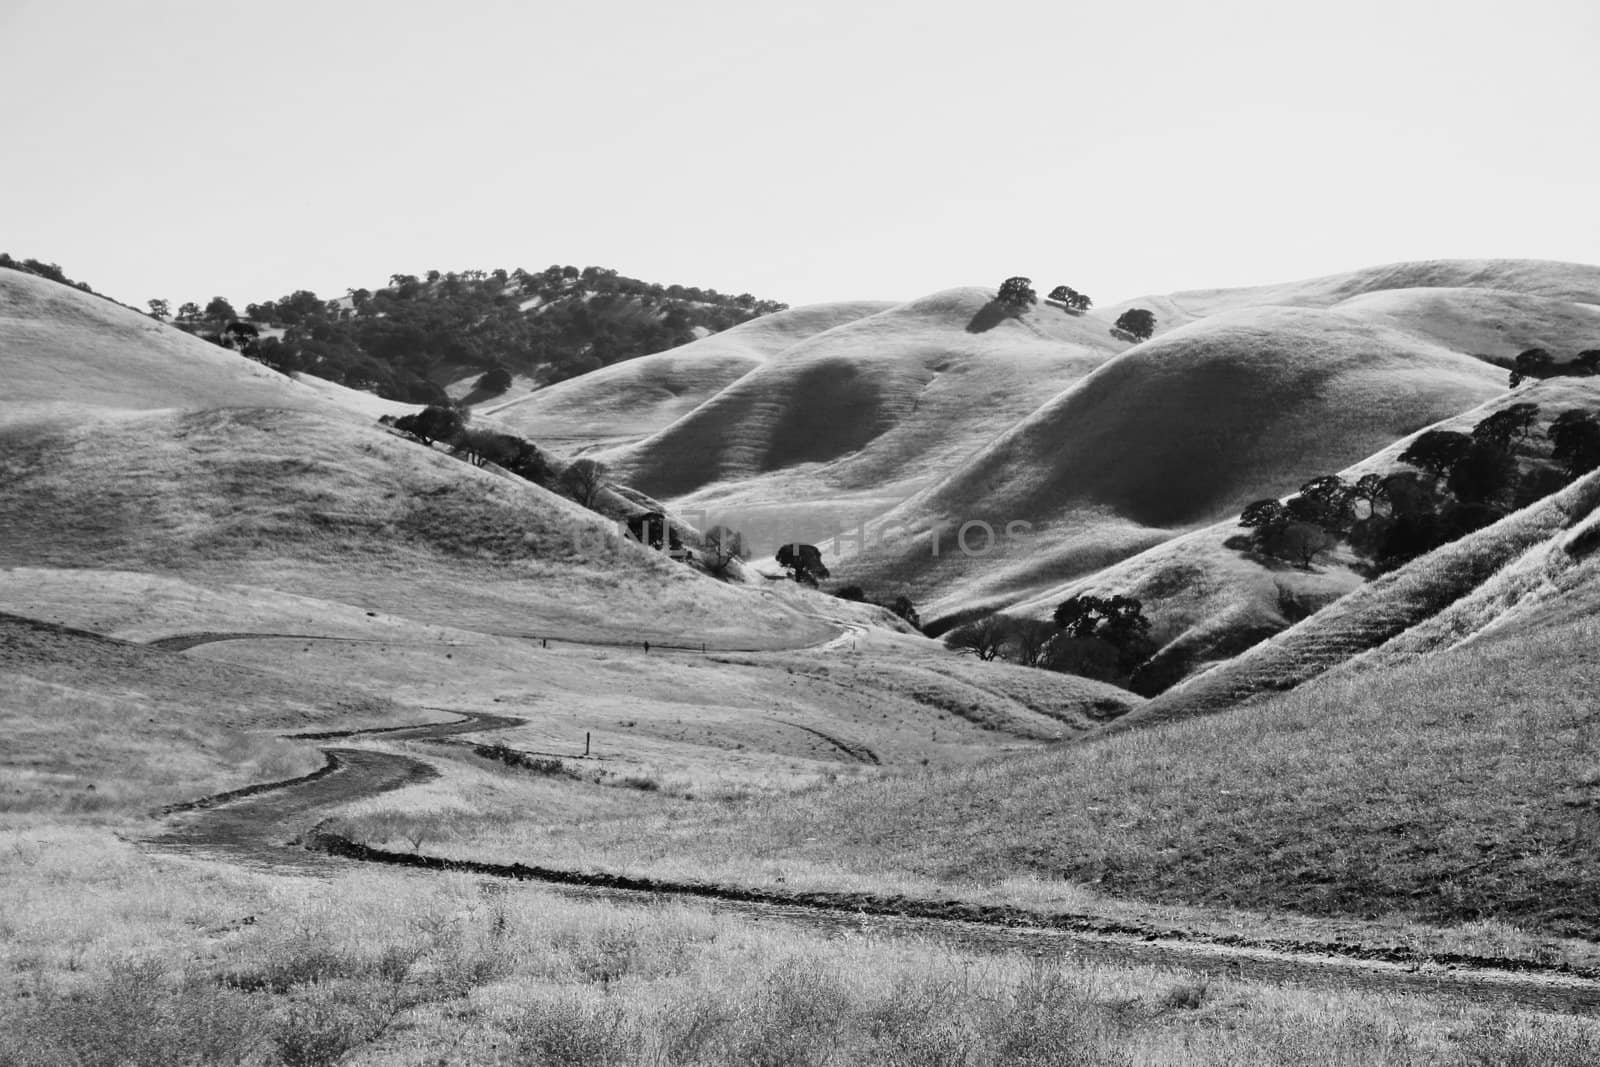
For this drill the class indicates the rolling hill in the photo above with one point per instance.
(948, 410)
(1173, 434)
(619, 404)
(60, 346)
(135, 446)
(1209, 602)
(843, 425)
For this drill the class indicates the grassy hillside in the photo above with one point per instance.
(1457, 788)
(622, 403)
(1173, 433)
(1376, 612)
(1551, 279)
(62, 346)
(1208, 601)
(847, 423)
(313, 504)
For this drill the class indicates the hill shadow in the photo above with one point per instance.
(988, 317)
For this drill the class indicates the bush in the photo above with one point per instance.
(494, 382)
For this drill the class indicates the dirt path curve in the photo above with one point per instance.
(277, 827)
(257, 824)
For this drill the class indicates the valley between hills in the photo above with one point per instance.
(1216, 695)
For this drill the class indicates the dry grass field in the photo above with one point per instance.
(199, 557)
(161, 960)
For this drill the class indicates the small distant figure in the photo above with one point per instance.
(647, 646)
(544, 642)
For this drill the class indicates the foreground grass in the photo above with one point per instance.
(1457, 789)
(108, 956)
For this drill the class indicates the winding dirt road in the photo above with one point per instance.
(277, 826)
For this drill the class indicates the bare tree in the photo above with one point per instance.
(584, 479)
(1030, 641)
(984, 638)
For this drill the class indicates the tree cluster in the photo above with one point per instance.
(39, 267)
(1105, 638)
(448, 426)
(400, 340)
(900, 605)
(1537, 363)
(1070, 298)
(1461, 482)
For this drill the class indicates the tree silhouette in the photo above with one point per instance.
(984, 638)
(1263, 513)
(219, 312)
(1576, 435)
(1137, 323)
(1437, 451)
(803, 562)
(1074, 300)
(584, 479)
(1030, 641)
(1534, 363)
(1507, 425)
(1017, 292)
(160, 309)
(493, 382)
(433, 424)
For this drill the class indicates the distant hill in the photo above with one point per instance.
(847, 423)
(1174, 433)
(132, 445)
(407, 340)
(63, 346)
(625, 402)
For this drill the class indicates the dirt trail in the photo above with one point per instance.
(277, 826)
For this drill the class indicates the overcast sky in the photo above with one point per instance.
(815, 151)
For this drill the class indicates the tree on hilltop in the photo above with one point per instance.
(1137, 323)
(219, 313)
(1017, 292)
(1437, 452)
(1074, 300)
(160, 310)
(1507, 425)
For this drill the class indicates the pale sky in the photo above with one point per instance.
(816, 151)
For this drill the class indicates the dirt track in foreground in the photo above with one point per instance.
(276, 826)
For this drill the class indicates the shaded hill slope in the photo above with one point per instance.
(1386, 609)
(1176, 432)
(1208, 601)
(313, 504)
(626, 401)
(874, 408)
